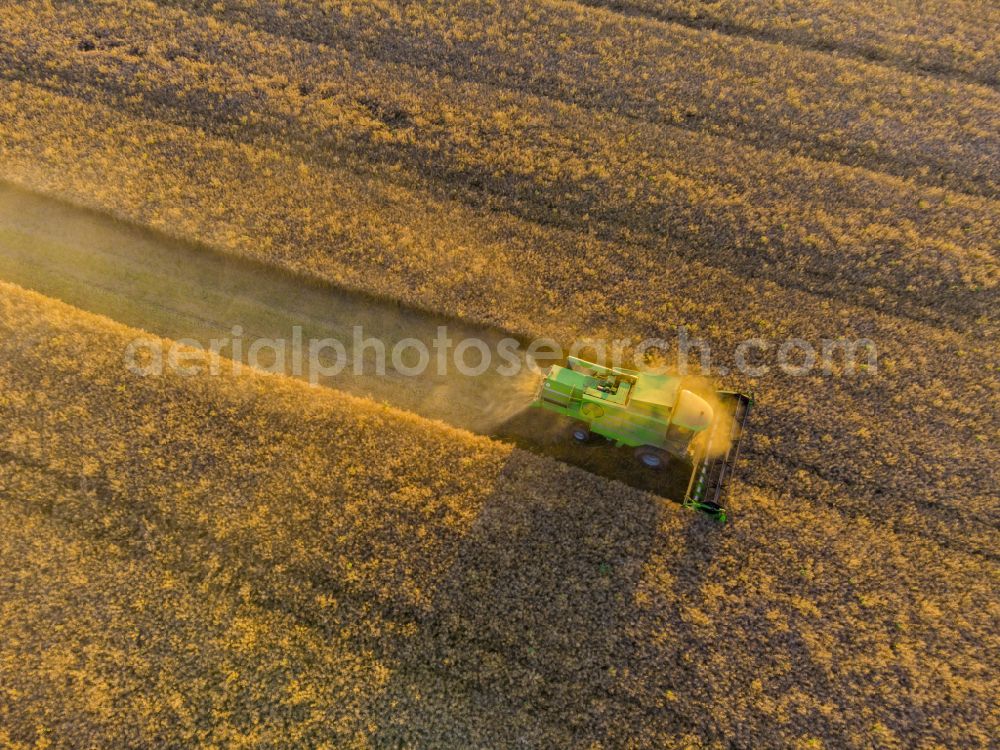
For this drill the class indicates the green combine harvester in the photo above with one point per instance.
(668, 425)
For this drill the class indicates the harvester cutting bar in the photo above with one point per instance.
(712, 474)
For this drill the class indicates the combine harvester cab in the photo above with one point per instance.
(664, 422)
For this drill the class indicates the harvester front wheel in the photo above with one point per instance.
(651, 457)
(580, 432)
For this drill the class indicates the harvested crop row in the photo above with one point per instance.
(770, 95)
(925, 252)
(945, 37)
(375, 579)
(399, 244)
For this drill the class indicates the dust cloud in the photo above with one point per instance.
(715, 441)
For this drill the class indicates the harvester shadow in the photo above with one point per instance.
(533, 625)
(548, 434)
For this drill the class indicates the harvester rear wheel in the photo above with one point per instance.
(651, 457)
(580, 432)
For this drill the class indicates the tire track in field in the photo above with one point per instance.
(736, 30)
(461, 68)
